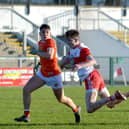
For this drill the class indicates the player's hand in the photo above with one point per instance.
(65, 60)
(76, 67)
(68, 66)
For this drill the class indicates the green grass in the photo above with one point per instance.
(47, 113)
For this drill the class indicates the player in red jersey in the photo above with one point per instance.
(81, 59)
(49, 74)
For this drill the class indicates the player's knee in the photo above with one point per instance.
(90, 110)
(26, 90)
(63, 100)
(60, 100)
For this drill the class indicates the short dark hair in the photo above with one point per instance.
(72, 33)
(44, 26)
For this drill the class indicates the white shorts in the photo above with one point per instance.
(54, 82)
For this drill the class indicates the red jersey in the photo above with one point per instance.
(79, 54)
(49, 67)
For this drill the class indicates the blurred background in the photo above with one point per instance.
(103, 27)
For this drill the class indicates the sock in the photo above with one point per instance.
(27, 113)
(75, 110)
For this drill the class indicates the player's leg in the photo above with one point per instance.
(59, 93)
(119, 97)
(94, 83)
(57, 86)
(104, 93)
(92, 103)
(34, 83)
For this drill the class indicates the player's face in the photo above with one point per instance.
(45, 34)
(73, 42)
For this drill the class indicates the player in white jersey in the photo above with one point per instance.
(83, 61)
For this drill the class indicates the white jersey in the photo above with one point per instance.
(80, 53)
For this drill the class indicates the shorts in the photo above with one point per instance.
(54, 82)
(94, 81)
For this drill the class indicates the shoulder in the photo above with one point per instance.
(85, 49)
(50, 41)
(82, 45)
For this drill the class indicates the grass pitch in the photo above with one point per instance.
(47, 113)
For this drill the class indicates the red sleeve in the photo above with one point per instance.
(86, 51)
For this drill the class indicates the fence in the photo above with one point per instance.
(108, 65)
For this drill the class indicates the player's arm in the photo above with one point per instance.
(91, 62)
(49, 54)
(65, 61)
